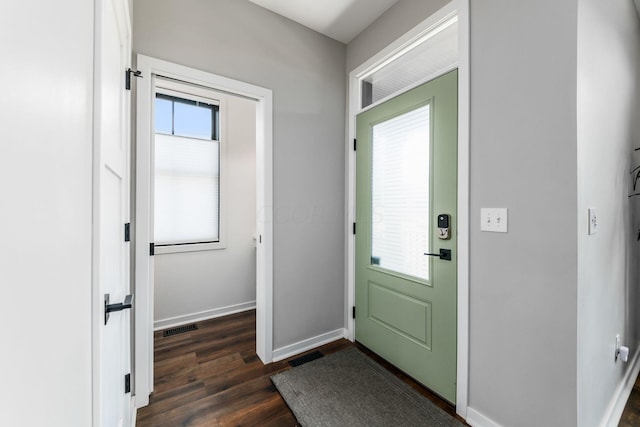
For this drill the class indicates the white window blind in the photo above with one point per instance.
(187, 190)
(400, 193)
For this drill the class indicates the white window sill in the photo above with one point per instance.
(191, 247)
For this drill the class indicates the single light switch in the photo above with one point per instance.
(493, 220)
(593, 221)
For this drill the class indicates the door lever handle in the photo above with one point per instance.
(444, 254)
(110, 308)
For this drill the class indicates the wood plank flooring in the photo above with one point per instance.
(631, 415)
(213, 377)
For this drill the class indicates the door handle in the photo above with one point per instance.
(444, 254)
(110, 308)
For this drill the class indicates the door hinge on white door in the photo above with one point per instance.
(127, 232)
(152, 249)
(127, 77)
(353, 312)
(355, 141)
(354, 228)
(127, 383)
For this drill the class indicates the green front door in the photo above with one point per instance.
(406, 192)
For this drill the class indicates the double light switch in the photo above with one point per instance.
(493, 220)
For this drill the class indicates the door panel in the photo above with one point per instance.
(406, 176)
(112, 208)
(401, 314)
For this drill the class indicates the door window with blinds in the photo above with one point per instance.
(188, 161)
(400, 193)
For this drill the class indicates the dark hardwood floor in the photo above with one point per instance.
(212, 377)
(631, 414)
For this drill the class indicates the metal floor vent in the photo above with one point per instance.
(179, 330)
(306, 358)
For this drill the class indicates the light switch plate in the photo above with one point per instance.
(493, 220)
(593, 221)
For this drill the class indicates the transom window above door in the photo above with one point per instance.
(430, 55)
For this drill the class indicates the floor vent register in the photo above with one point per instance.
(306, 358)
(179, 330)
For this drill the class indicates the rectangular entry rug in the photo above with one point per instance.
(349, 389)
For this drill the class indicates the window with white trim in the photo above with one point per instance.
(188, 160)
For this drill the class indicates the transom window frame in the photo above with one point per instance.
(194, 92)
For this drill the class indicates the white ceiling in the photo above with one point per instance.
(341, 20)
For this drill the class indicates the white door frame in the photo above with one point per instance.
(264, 225)
(461, 9)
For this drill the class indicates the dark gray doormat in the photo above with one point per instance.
(349, 389)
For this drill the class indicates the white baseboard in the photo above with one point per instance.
(623, 391)
(476, 419)
(134, 412)
(308, 344)
(202, 315)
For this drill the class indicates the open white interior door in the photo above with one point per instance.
(111, 214)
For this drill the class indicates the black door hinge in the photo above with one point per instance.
(354, 228)
(127, 383)
(354, 144)
(127, 232)
(127, 77)
(152, 249)
(353, 312)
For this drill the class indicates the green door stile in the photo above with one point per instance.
(406, 300)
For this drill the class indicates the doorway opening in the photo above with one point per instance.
(212, 96)
(204, 203)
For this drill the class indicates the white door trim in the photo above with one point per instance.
(264, 227)
(461, 8)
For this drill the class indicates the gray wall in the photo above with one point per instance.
(305, 70)
(608, 262)
(206, 283)
(523, 292)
